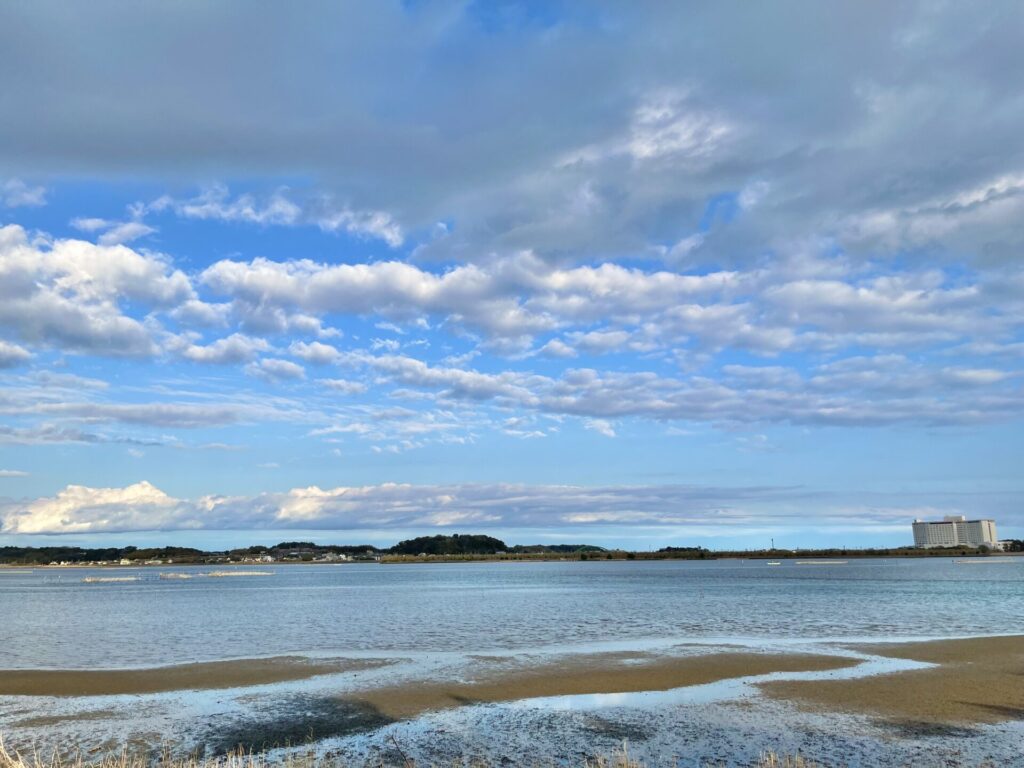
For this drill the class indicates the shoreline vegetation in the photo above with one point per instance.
(241, 759)
(453, 548)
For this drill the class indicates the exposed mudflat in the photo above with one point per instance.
(590, 674)
(199, 676)
(977, 680)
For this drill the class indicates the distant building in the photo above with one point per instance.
(955, 531)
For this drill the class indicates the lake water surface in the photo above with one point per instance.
(53, 619)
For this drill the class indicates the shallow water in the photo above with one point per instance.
(53, 619)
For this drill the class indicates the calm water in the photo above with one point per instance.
(50, 618)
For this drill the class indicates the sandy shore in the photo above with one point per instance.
(980, 680)
(598, 673)
(204, 675)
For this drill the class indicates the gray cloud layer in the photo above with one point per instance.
(602, 133)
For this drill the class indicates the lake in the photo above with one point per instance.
(429, 622)
(54, 620)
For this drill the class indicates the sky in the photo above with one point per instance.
(634, 274)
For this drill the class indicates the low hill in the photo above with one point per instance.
(449, 545)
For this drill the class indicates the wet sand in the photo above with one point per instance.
(199, 676)
(598, 673)
(979, 680)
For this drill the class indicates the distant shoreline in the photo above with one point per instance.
(804, 558)
(449, 548)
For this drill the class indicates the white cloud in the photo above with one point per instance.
(79, 509)
(557, 348)
(15, 193)
(601, 426)
(344, 386)
(142, 507)
(854, 392)
(12, 473)
(315, 352)
(388, 345)
(236, 348)
(113, 232)
(68, 293)
(274, 369)
(194, 312)
(216, 203)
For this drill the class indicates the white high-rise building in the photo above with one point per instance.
(955, 531)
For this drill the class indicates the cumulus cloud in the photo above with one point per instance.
(785, 304)
(275, 369)
(315, 352)
(69, 293)
(80, 509)
(142, 506)
(557, 348)
(233, 349)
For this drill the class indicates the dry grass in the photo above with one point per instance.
(621, 758)
(125, 759)
(771, 760)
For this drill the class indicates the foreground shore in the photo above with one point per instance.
(959, 705)
(976, 680)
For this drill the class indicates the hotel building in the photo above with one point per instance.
(955, 531)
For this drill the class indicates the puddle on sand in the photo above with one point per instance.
(291, 721)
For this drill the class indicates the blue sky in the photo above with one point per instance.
(557, 272)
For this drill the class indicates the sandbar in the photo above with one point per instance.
(595, 673)
(199, 676)
(976, 680)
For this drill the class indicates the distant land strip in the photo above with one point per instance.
(453, 548)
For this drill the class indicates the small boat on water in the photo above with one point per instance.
(773, 562)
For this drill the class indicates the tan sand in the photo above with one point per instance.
(980, 680)
(598, 673)
(203, 675)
